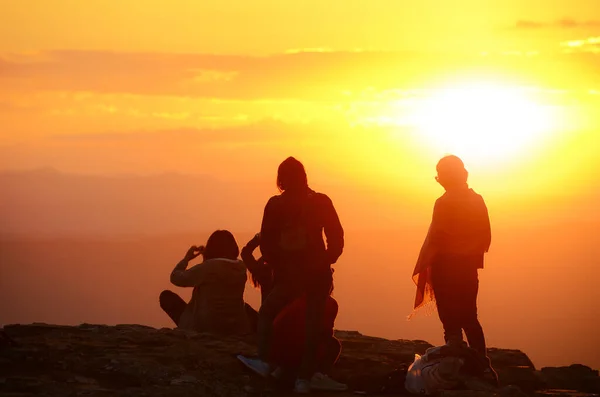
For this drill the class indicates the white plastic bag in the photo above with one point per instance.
(427, 375)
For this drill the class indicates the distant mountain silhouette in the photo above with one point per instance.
(46, 201)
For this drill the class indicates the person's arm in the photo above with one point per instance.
(334, 233)
(181, 276)
(438, 235)
(269, 233)
(487, 228)
(247, 252)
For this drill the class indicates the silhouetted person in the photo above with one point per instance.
(217, 303)
(261, 274)
(292, 244)
(289, 333)
(289, 326)
(446, 271)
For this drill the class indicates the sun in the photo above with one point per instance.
(480, 122)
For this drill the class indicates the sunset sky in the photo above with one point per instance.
(368, 94)
(363, 91)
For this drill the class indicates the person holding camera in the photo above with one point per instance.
(217, 304)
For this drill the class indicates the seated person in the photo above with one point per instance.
(217, 303)
(289, 326)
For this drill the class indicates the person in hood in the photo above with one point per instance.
(447, 269)
(217, 304)
(292, 244)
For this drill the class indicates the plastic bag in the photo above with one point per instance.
(430, 373)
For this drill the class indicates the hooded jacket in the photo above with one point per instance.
(292, 233)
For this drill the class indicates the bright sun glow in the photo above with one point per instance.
(481, 122)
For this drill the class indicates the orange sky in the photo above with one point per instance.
(369, 94)
(146, 86)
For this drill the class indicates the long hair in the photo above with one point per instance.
(221, 244)
(291, 175)
(260, 273)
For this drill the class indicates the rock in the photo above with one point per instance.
(575, 377)
(563, 393)
(184, 379)
(515, 368)
(467, 393)
(136, 360)
(5, 340)
(85, 381)
(512, 391)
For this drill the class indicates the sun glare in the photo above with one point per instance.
(483, 123)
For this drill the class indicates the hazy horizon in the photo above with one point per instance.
(89, 248)
(131, 130)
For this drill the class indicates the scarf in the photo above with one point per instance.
(424, 298)
(476, 241)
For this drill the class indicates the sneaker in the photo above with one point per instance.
(259, 366)
(323, 382)
(302, 386)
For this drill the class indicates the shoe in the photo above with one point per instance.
(302, 386)
(323, 382)
(259, 366)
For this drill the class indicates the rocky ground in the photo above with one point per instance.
(134, 360)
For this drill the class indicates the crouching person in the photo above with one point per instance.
(289, 330)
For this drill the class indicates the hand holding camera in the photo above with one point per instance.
(194, 252)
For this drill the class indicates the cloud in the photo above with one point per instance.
(298, 75)
(523, 24)
(564, 23)
(15, 107)
(591, 45)
(257, 133)
(317, 76)
(245, 151)
(314, 49)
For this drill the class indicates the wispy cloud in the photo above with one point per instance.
(591, 45)
(564, 23)
(320, 76)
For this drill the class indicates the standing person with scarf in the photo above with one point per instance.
(292, 243)
(453, 251)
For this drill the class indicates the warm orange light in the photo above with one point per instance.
(481, 122)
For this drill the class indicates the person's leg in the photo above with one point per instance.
(472, 327)
(326, 360)
(252, 317)
(331, 352)
(172, 304)
(277, 300)
(446, 290)
(316, 297)
(281, 295)
(470, 322)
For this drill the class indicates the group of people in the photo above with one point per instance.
(301, 237)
